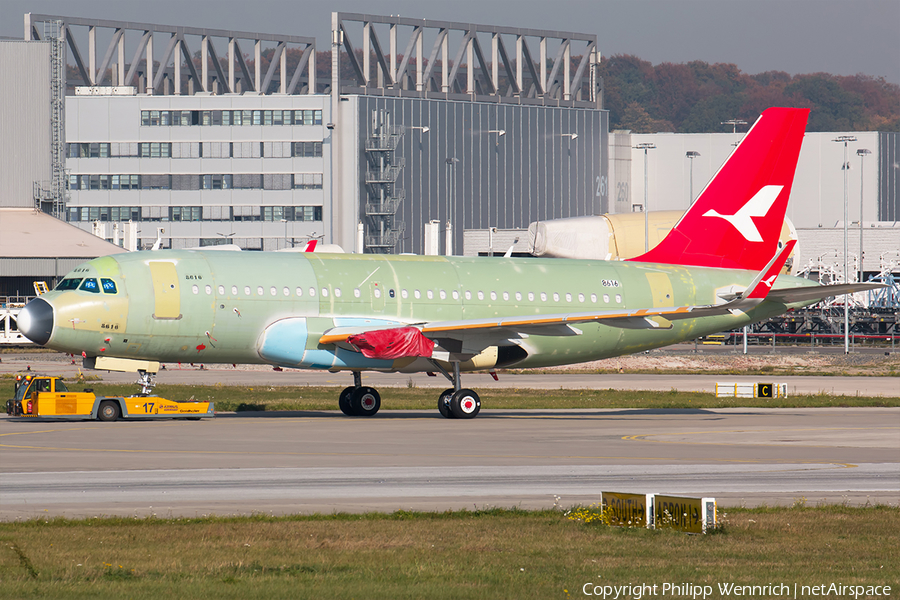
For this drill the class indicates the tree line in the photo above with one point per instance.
(697, 97)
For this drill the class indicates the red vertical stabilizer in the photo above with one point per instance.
(736, 221)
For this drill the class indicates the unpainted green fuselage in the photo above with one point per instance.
(216, 306)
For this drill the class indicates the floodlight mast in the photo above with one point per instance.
(845, 167)
(646, 146)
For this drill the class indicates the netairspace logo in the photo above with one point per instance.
(723, 590)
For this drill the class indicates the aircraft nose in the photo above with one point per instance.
(36, 321)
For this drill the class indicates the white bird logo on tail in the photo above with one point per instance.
(757, 206)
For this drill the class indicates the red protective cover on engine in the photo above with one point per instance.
(392, 343)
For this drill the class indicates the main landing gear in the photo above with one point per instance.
(453, 403)
(457, 402)
(358, 400)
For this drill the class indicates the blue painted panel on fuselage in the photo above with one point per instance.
(284, 343)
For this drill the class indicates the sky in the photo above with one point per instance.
(842, 37)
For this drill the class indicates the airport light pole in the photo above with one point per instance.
(692, 155)
(862, 153)
(646, 146)
(846, 139)
(451, 171)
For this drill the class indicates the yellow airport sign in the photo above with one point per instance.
(751, 390)
(691, 515)
(627, 510)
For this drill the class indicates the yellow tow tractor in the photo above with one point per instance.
(40, 396)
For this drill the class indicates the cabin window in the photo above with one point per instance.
(606, 298)
(493, 295)
(273, 291)
(356, 292)
(109, 286)
(246, 290)
(480, 295)
(618, 299)
(455, 295)
(581, 297)
(208, 290)
(195, 289)
(556, 296)
(429, 294)
(443, 295)
(337, 292)
(417, 294)
(299, 292)
(377, 293)
(594, 298)
(90, 285)
(391, 292)
(324, 292)
(312, 292)
(568, 297)
(468, 295)
(259, 290)
(403, 294)
(222, 290)
(286, 292)
(518, 296)
(531, 296)
(543, 296)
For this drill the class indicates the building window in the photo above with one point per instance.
(308, 181)
(155, 150)
(306, 149)
(185, 213)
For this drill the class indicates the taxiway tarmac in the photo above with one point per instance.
(54, 364)
(324, 462)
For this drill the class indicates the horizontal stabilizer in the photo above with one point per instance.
(820, 292)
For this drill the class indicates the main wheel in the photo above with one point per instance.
(465, 404)
(365, 401)
(108, 411)
(444, 403)
(344, 401)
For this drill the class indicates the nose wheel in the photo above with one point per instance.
(359, 400)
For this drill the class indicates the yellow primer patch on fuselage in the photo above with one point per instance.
(661, 292)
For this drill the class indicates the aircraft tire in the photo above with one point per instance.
(444, 403)
(465, 404)
(344, 401)
(108, 411)
(365, 401)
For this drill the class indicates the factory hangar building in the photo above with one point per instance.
(421, 121)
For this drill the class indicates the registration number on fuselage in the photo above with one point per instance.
(614, 283)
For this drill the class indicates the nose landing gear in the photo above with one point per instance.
(359, 400)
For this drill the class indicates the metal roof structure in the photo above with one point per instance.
(163, 74)
(511, 73)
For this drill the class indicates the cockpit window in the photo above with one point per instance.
(109, 286)
(68, 284)
(90, 285)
